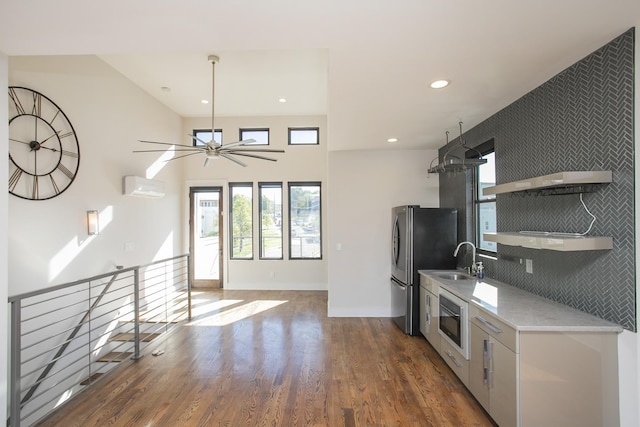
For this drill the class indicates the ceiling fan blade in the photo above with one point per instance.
(164, 151)
(237, 143)
(226, 156)
(165, 143)
(202, 141)
(179, 157)
(255, 150)
(254, 156)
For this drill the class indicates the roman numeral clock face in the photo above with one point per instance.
(43, 149)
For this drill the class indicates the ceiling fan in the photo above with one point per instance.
(213, 150)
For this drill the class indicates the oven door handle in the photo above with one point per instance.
(442, 307)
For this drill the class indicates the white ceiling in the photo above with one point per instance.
(366, 64)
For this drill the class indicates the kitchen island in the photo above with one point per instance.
(531, 361)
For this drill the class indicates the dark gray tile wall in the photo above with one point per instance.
(582, 119)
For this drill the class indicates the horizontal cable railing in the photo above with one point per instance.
(65, 337)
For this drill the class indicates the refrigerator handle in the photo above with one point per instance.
(395, 247)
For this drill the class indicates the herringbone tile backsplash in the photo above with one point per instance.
(582, 119)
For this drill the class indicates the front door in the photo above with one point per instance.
(206, 236)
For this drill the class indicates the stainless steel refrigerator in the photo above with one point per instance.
(422, 239)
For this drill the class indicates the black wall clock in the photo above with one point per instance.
(44, 154)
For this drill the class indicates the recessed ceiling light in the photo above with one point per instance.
(439, 84)
(283, 100)
(392, 140)
(205, 101)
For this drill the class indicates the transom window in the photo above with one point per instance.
(304, 136)
(261, 136)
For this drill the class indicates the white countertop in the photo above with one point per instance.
(520, 309)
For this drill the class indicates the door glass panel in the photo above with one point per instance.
(206, 238)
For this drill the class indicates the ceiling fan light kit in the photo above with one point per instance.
(212, 149)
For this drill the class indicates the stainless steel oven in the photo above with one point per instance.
(454, 321)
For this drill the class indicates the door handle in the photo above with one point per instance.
(489, 325)
(452, 357)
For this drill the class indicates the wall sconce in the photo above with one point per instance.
(93, 227)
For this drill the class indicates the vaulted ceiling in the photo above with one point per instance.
(366, 64)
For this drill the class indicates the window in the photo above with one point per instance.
(202, 136)
(261, 136)
(241, 221)
(304, 136)
(485, 205)
(305, 234)
(270, 220)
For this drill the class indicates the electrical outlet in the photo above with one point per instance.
(529, 266)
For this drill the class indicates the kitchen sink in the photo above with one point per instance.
(454, 276)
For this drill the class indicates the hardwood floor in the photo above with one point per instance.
(273, 358)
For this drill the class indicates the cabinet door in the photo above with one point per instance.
(504, 385)
(432, 326)
(478, 365)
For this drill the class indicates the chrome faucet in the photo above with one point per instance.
(474, 267)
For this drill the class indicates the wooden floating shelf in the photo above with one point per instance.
(551, 241)
(560, 179)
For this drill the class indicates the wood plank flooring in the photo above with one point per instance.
(273, 358)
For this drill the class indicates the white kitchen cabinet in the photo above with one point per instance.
(550, 365)
(527, 378)
(429, 311)
(458, 364)
(493, 369)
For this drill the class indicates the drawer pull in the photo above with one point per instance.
(489, 325)
(452, 357)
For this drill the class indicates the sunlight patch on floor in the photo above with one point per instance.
(199, 310)
(238, 313)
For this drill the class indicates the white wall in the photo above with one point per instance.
(4, 137)
(48, 239)
(298, 163)
(629, 342)
(363, 187)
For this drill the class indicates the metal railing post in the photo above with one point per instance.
(189, 285)
(16, 362)
(136, 308)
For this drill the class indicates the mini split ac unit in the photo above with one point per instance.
(142, 187)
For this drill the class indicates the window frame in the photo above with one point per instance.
(293, 129)
(233, 185)
(484, 149)
(195, 133)
(261, 186)
(290, 186)
(241, 132)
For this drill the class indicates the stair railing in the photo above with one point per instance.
(62, 338)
